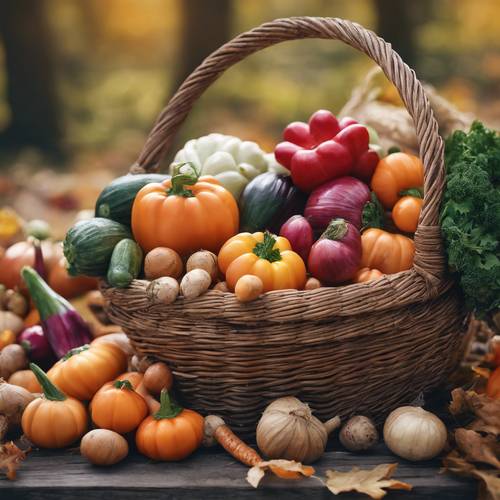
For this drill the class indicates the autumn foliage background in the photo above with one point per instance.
(81, 81)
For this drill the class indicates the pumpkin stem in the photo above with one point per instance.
(168, 409)
(181, 178)
(123, 384)
(415, 192)
(75, 350)
(373, 214)
(265, 249)
(336, 230)
(51, 392)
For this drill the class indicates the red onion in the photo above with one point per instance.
(336, 256)
(344, 197)
(37, 346)
(299, 233)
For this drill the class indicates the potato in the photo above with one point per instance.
(248, 288)
(312, 284)
(204, 260)
(194, 283)
(161, 262)
(163, 290)
(222, 287)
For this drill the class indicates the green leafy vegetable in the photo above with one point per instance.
(470, 215)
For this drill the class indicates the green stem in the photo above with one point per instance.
(51, 392)
(48, 302)
(75, 350)
(168, 409)
(265, 249)
(183, 178)
(336, 230)
(373, 214)
(123, 384)
(415, 192)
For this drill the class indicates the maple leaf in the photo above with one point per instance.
(368, 481)
(285, 469)
(478, 448)
(10, 459)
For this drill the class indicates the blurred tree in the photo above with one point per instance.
(396, 24)
(31, 87)
(205, 26)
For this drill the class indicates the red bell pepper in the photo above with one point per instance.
(324, 149)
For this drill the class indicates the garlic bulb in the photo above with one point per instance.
(288, 430)
(359, 433)
(414, 433)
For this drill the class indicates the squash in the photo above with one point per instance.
(171, 434)
(117, 407)
(54, 420)
(387, 252)
(84, 370)
(365, 274)
(89, 244)
(406, 212)
(230, 160)
(125, 264)
(268, 257)
(185, 213)
(268, 201)
(116, 200)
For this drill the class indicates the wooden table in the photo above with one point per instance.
(207, 475)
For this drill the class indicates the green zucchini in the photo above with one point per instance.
(89, 244)
(125, 264)
(116, 200)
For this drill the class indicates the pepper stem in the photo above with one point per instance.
(336, 230)
(123, 384)
(168, 409)
(181, 178)
(415, 192)
(51, 392)
(265, 249)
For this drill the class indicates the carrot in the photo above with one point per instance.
(216, 429)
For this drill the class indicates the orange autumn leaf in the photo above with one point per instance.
(371, 482)
(10, 459)
(477, 447)
(285, 469)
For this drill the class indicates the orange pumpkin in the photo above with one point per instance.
(395, 174)
(117, 407)
(493, 386)
(26, 379)
(389, 253)
(185, 213)
(84, 370)
(69, 286)
(135, 378)
(171, 434)
(54, 420)
(406, 212)
(366, 274)
(268, 257)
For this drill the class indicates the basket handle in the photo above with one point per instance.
(429, 260)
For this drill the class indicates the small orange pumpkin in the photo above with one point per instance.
(135, 378)
(117, 407)
(366, 274)
(389, 253)
(84, 370)
(54, 420)
(26, 379)
(171, 434)
(406, 212)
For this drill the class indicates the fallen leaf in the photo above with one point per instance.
(478, 448)
(476, 407)
(368, 481)
(285, 469)
(10, 459)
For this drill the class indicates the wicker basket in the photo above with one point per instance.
(362, 348)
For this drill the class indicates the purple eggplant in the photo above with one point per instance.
(36, 345)
(63, 327)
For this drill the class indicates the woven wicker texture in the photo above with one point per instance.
(363, 348)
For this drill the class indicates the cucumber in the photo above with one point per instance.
(116, 200)
(125, 264)
(89, 244)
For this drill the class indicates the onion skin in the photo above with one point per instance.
(344, 197)
(336, 256)
(299, 233)
(37, 346)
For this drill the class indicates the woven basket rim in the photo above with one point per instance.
(425, 280)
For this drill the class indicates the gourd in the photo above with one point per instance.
(230, 160)
(89, 244)
(125, 264)
(103, 447)
(116, 199)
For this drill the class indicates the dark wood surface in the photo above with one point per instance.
(56, 475)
